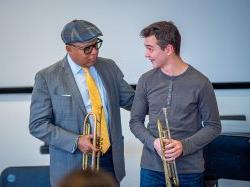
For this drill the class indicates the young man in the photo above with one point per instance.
(64, 93)
(191, 109)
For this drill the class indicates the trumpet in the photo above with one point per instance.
(94, 156)
(170, 171)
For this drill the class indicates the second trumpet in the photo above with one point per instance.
(169, 167)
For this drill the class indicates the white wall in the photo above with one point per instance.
(215, 34)
(18, 147)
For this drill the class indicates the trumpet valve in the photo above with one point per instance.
(99, 142)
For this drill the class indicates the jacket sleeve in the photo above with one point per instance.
(126, 92)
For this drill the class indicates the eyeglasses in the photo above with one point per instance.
(87, 50)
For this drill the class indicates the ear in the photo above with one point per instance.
(169, 49)
(68, 48)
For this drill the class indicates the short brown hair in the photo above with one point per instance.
(165, 32)
(87, 178)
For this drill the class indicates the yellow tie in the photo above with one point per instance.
(97, 109)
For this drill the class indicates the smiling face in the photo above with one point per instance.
(154, 53)
(77, 52)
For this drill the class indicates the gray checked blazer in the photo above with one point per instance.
(57, 112)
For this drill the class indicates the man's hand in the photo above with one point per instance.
(157, 145)
(173, 149)
(85, 144)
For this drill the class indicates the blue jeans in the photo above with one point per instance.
(150, 178)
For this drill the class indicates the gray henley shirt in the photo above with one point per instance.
(192, 115)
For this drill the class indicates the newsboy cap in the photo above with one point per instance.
(79, 31)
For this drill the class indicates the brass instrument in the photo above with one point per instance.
(170, 170)
(95, 156)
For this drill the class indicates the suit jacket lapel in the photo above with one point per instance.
(104, 76)
(70, 83)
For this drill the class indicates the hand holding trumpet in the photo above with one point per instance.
(172, 149)
(85, 144)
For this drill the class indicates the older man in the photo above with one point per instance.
(65, 92)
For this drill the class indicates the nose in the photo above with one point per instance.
(147, 54)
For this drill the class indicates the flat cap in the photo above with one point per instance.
(79, 31)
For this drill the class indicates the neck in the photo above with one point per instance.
(175, 66)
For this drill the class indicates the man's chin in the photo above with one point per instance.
(93, 60)
(154, 65)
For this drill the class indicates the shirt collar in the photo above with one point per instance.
(74, 66)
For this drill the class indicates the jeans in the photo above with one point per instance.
(150, 178)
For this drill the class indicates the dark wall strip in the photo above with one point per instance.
(241, 117)
(232, 85)
(226, 85)
(16, 90)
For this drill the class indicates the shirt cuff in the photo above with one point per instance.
(75, 144)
